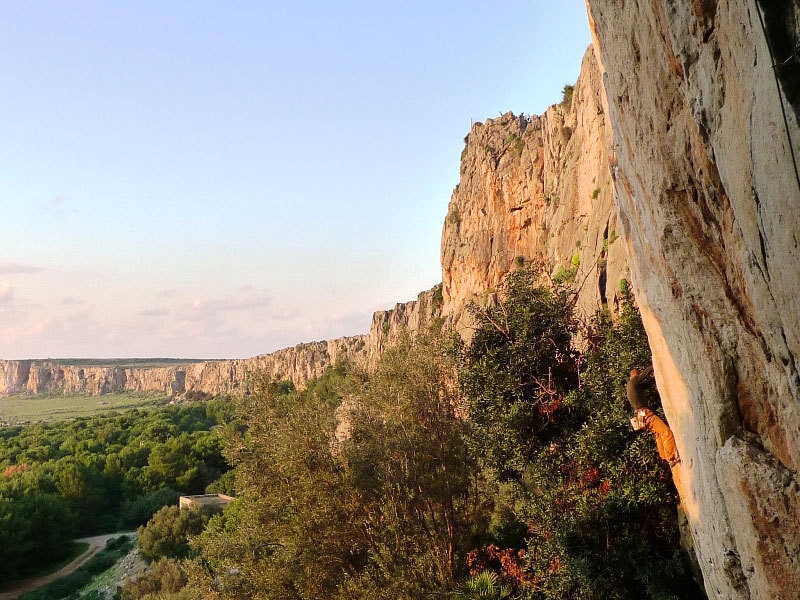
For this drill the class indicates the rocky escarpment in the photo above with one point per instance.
(537, 188)
(709, 206)
(218, 377)
(298, 364)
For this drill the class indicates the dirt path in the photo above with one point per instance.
(23, 586)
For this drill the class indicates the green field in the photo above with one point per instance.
(21, 409)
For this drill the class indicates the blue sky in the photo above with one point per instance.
(220, 180)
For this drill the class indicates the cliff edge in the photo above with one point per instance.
(709, 206)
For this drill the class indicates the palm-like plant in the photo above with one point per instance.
(482, 586)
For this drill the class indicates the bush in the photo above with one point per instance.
(167, 534)
(134, 513)
(164, 576)
(561, 462)
(566, 96)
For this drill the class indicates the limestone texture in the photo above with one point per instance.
(536, 188)
(709, 208)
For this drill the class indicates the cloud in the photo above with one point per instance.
(11, 268)
(57, 205)
(243, 300)
(6, 294)
(155, 312)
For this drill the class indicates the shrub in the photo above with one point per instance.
(566, 96)
(551, 430)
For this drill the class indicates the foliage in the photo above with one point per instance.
(517, 370)
(94, 474)
(596, 502)
(385, 513)
(164, 579)
(567, 275)
(566, 96)
(137, 511)
(167, 534)
(387, 485)
(484, 585)
(516, 143)
(409, 463)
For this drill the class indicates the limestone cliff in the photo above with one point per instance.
(536, 188)
(298, 364)
(709, 208)
(218, 377)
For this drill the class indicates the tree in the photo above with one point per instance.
(409, 461)
(387, 512)
(293, 531)
(596, 502)
(517, 371)
(167, 534)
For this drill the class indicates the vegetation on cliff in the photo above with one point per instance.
(378, 486)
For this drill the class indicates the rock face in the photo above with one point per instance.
(537, 188)
(709, 207)
(298, 364)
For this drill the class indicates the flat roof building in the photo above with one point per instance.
(204, 500)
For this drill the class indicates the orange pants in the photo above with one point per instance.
(664, 438)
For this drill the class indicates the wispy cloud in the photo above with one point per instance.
(6, 294)
(244, 299)
(155, 312)
(12, 268)
(57, 205)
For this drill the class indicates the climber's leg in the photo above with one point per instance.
(665, 441)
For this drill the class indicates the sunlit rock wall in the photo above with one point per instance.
(536, 188)
(709, 208)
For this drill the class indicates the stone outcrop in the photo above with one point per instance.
(536, 188)
(219, 377)
(709, 208)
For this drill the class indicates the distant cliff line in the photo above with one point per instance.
(218, 377)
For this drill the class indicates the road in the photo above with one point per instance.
(23, 586)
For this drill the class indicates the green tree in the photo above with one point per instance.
(385, 511)
(517, 370)
(409, 461)
(597, 504)
(293, 531)
(167, 533)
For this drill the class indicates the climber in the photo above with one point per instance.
(644, 418)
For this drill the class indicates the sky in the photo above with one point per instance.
(221, 180)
